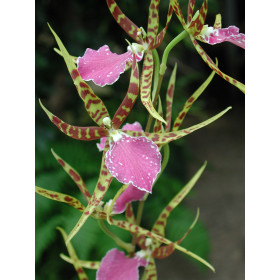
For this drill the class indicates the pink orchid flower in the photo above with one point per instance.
(211, 35)
(116, 266)
(131, 193)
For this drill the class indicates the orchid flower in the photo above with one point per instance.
(211, 35)
(104, 67)
(116, 266)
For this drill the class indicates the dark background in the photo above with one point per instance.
(219, 193)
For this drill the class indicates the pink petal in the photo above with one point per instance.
(102, 143)
(134, 160)
(136, 126)
(129, 195)
(230, 34)
(116, 266)
(102, 66)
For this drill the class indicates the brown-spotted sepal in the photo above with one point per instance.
(130, 98)
(77, 132)
(74, 175)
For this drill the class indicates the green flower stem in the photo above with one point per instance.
(127, 246)
(169, 47)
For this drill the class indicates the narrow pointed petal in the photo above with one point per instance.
(159, 38)
(212, 65)
(116, 266)
(74, 175)
(153, 21)
(160, 223)
(100, 190)
(163, 138)
(130, 98)
(60, 197)
(178, 12)
(169, 98)
(86, 264)
(158, 127)
(134, 160)
(197, 23)
(103, 67)
(181, 116)
(150, 272)
(77, 132)
(217, 36)
(75, 261)
(130, 194)
(125, 23)
(166, 250)
(190, 10)
(146, 84)
(93, 104)
(218, 22)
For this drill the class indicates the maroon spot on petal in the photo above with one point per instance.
(87, 213)
(79, 270)
(100, 187)
(61, 162)
(75, 74)
(74, 175)
(67, 198)
(83, 85)
(169, 208)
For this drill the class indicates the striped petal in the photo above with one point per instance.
(102, 66)
(159, 38)
(218, 22)
(153, 21)
(178, 12)
(190, 10)
(212, 65)
(197, 23)
(74, 175)
(158, 127)
(129, 214)
(134, 160)
(125, 23)
(146, 83)
(100, 190)
(130, 98)
(181, 116)
(169, 98)
(80, 133)
(163, 138)
(214, 36)
(94, 105)
(116, 266)
(75, 261)
(150, 272)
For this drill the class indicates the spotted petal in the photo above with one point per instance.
(178, 12)
(153, 21)
(116, 266)
(150, 272)
(197, 23)
(102, 66)
(130, 194)
(126, 24)
(215, 36)
(77, 132)
(134, 160)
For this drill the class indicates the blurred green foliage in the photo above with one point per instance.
(90, 24)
